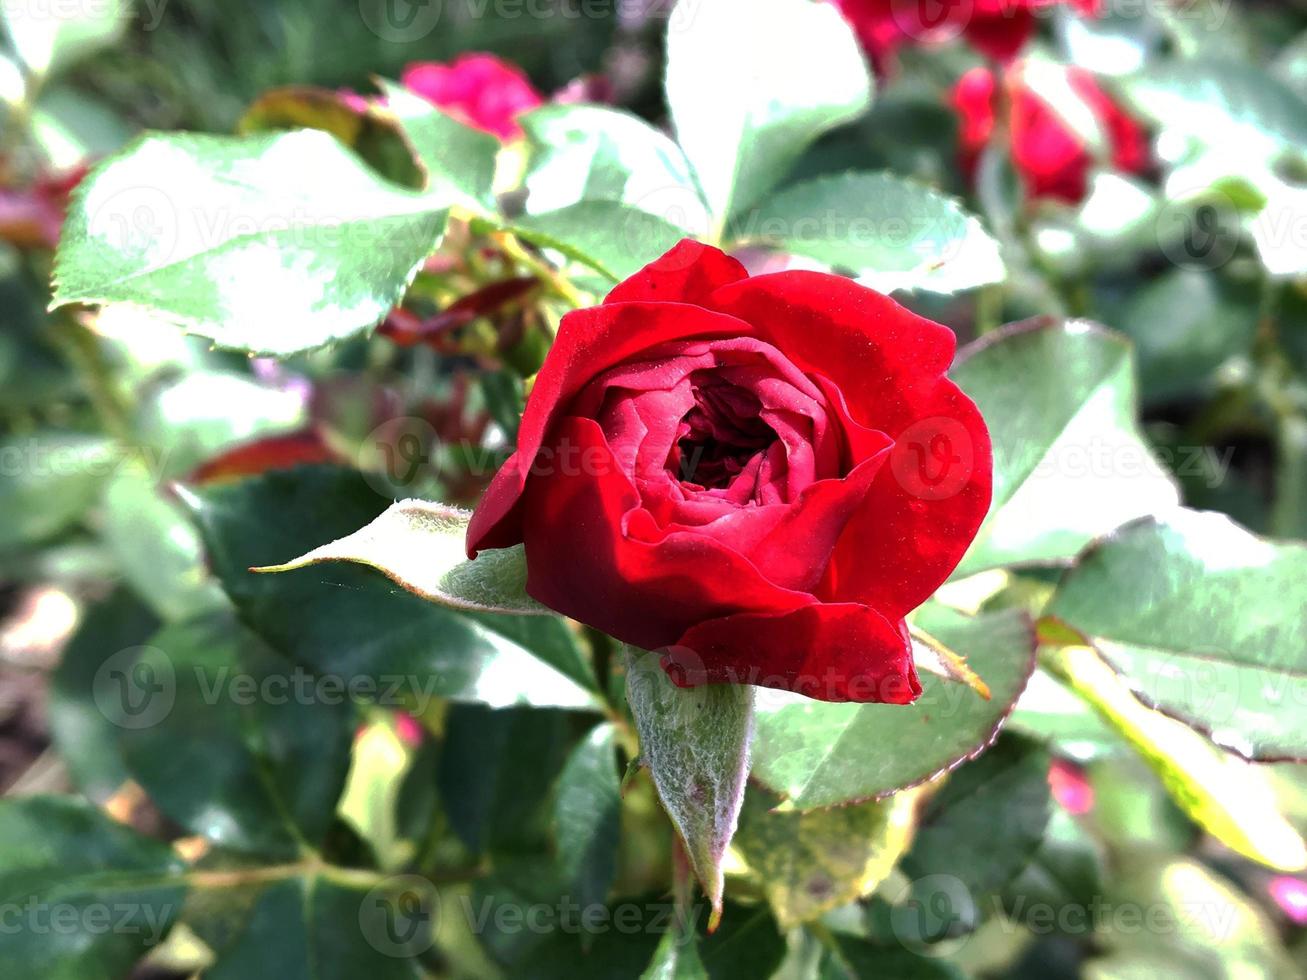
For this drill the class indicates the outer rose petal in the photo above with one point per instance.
(648, 594)
(832, 652)
(923, 509)
(589, 342)
(479, 89)
(687, 273)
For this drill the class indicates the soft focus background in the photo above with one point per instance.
(1141, 163)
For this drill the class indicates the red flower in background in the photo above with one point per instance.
(1051, 158)
(478, 89)
(999, 29)
(33, 216)
(758, 477)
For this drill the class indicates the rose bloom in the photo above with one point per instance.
(477, 89)
(998, 29)
(757, 477)
(1052, 160)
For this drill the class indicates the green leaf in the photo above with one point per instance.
(1203, 620)
(326, 927)
(48, 480)
(1069, 461)
(677, 958)
(893, 232)
(459, 161)
(352, 622)
(745, 108)
(593, 153)
(272, 244)
(1228, 797)
(695, 743)
(497, 773)
(1221, 103)
(614, 239)
(1185, 324)
(87, 740)
(420, 545)
(818, 754)
(89, 897)
(987, 822)
(809, 863)
(587, 816)
(157, 550)
(230, 740)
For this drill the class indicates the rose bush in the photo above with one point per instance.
(1053, 160)
(759, 476)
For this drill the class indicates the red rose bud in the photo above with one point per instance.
(1070, 787)
(998, 29)
(477, 89)
(1053, 161)
(33, 216)
(759, 477)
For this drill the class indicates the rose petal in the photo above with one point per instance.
(685, 274)
(832, 652)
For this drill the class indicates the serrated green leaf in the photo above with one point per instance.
(1203, 620)
(614, 239)
(85, 897)
(820, 754)
(352, 621)
(593, 153)
(420, 545)
(1069, 461)
(695, 743)
(459, 161)
(273, 244)
(766, 105)
(809, 863)
(893, 232)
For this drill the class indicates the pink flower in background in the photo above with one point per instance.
(1290, 894)
(1070, 787)
(477, 89)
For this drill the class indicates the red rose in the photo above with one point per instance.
(477, 89)
(758, 477)
(1051, 158)
(998, 29)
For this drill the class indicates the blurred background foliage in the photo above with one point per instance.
(1059, 838)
